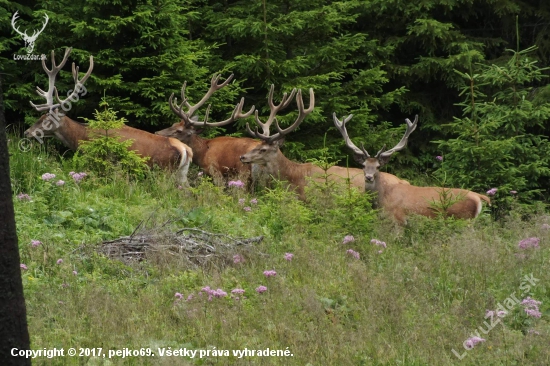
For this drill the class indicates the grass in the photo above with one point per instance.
(412, 304)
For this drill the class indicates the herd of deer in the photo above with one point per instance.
(175, 147)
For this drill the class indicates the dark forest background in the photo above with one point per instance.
(473, 70)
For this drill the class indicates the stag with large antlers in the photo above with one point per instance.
(29, 40)
(218, 156)
(400, 200)
(271, 160)
(163, 151)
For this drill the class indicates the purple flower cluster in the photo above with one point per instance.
(23, 266)
(60, 183)
(78, 176)
(254, 201)
(531, 307)
(236, 183)
(247, 208)
(261, 289)
(379, 242)
(48, 176)
(353, 253)
(178, 296)
(237, 291)
(529, 243)
(439, 158)
(492, 191)
(471, 342)
(213, 293)
(513, 192)
(59, 261)
(241, 201)
(348, 239)
(237, 258)
(270, 273)
(289, 256)
(23, 197)
(35, 243)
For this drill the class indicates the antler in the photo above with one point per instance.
(411, 126)
(341, 126)
(13, 19)
(48, 95)
(302, 113)
(187, 117)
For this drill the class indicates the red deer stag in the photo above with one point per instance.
(218, 156)
(165, 152)
(400, 200)
(271, 160)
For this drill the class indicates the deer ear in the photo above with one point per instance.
(383, 160)
(359, 159)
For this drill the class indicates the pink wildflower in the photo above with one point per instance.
(47, 176)
(199, 174)
(289, 256)
(219, 293)
(353, 253)
(533, 312)
(77, 176)
(35, 243)
(178, 296)
(23, 197)
(237, 291)
(59, 261)
(236, 183)
(501, 313)
(378, 242)
(270, 273)
(439, 157)
(529, 302)
(190, 297)
(23, 266)
(492, 191)
(60, 183)
(241, 201)
(261, 289)
(471, 342)
(513, 192)
(348, 239)
(75, 273)
(237, 258)
(529, 243)
(247, 208)
(254, 201)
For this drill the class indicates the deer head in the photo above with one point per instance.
(185, 129)
(371, 165)
(268, 149)
(29, 40)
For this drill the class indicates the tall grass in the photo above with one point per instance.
(411, 303)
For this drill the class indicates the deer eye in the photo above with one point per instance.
(263, 150)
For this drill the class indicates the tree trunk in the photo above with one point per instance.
(13, 314)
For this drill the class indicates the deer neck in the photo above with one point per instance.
(378, 186)
(199, 146)
(71, 132)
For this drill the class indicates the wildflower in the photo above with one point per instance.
(178, 296)
(270, 273)
(23, 197)
(348, 239)
(529, 243)
(254, 201)
(471, 342)
(439, 157)
(247, 208)
(532, 331)
(378, 242)
(47, 176)
(237, 291)
(353, 253)
(77, 176)
(513, 192)
(489, 313)
(289, 256)
(492, 191)
(501, 313)
(60, 183)
(261, 289)
(75, 273)
(241, 201)
(59, 261)
(219, 293)
(190, 297)
(529, 302)
(23, 266)
(35, 243)
(380, 251)
(180, 187)
(545, 227)
(199, 174)
(237, 258)
(535, 313)
(236, 183)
